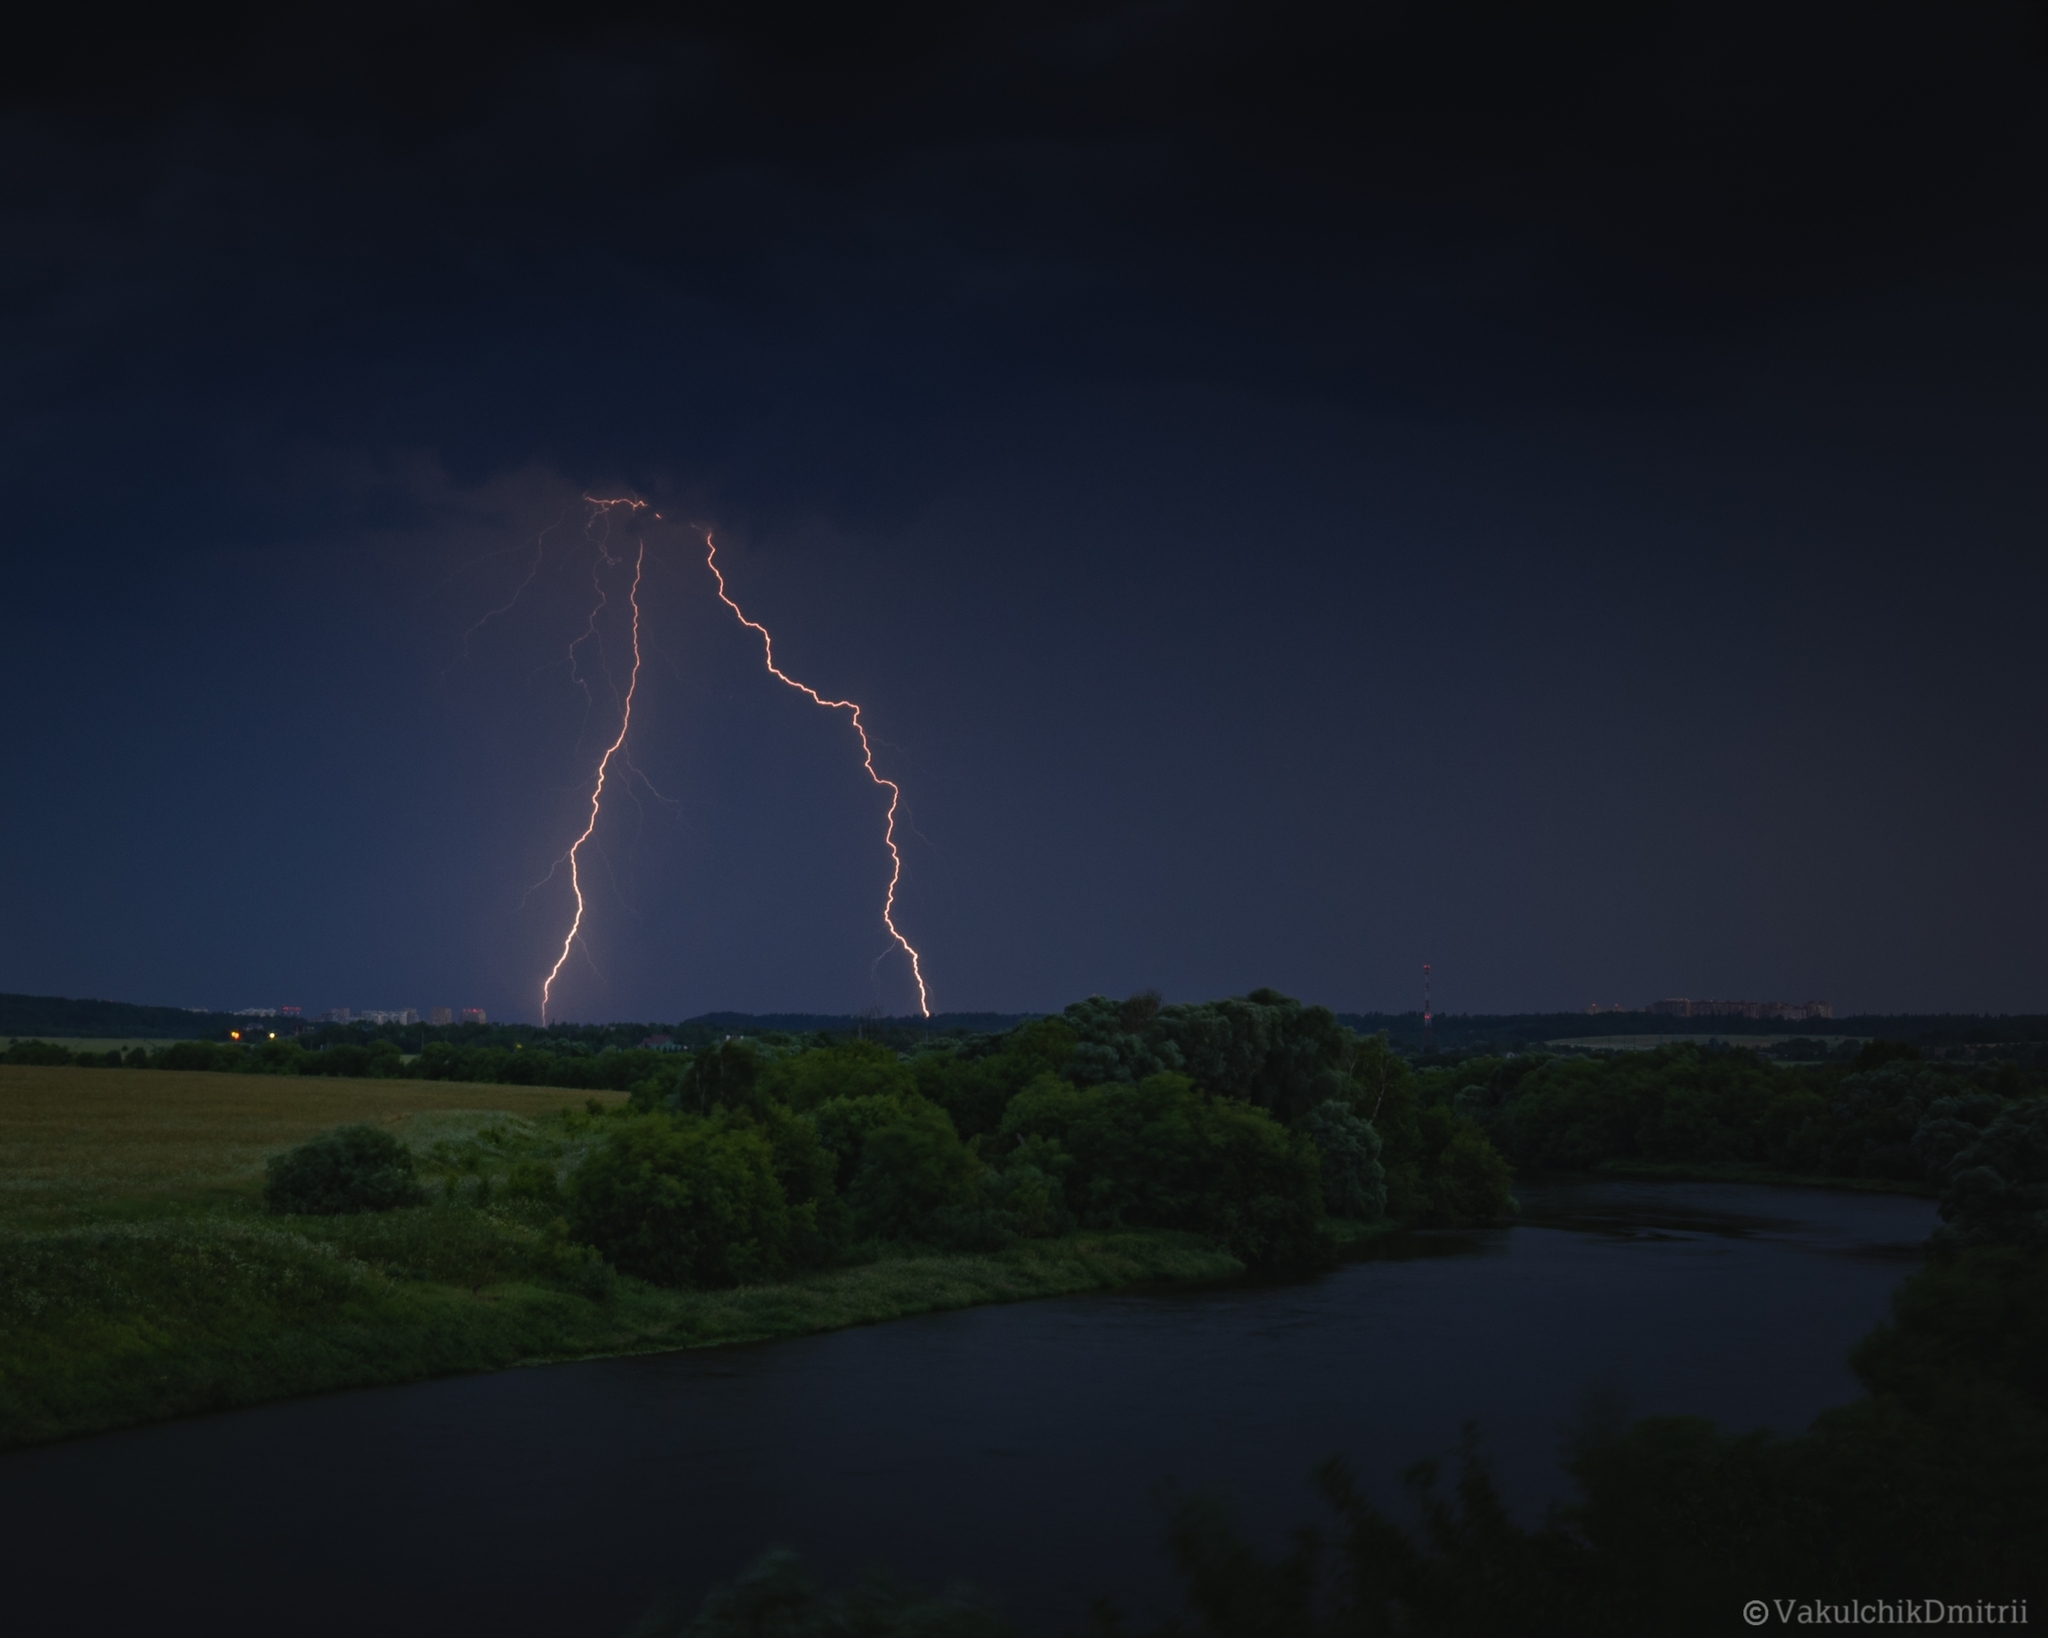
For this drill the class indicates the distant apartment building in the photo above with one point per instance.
(441, 1015)
(473, 1015)
(256, 1012)
(1791, 1012)
(397, 1015)
(334, 1015)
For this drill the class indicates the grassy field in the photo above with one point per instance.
(139, 1278)
(149, 1141)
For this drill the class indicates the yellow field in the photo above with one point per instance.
(73, 1138)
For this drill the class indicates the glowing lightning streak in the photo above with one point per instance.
(597, 790)
(867, 755)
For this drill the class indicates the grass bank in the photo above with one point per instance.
(140, 1280)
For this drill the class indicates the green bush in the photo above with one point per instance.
(352, 1169)
(39, 1053)
(531, 1180)
(684, 1201)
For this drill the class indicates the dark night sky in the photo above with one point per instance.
(1557, 492)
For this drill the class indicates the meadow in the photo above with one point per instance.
(140, 1277)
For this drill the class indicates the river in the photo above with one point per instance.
(1023, 1448)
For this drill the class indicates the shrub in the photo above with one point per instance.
(684, 1202)
(531, 1180)
(356, 1168)
(40, 1053)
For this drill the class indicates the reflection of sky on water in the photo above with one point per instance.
(1023, 1447)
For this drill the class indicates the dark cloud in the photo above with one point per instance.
(1557, 443)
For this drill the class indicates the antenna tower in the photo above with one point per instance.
(1428, 1035)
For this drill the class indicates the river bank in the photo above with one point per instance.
(140, 1280)
(1018, 1445)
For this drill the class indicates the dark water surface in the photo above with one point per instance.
(1020, 1447)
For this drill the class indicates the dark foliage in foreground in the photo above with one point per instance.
(1995, 1181)
(1931, 1486)
(777, 1597)
(352, 1169)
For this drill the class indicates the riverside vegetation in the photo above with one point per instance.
(1923, 1504)
(169, 1249)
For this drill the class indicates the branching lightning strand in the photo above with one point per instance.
(867, 760)
(597, 788)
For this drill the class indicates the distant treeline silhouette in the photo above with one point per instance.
(1880, 1113)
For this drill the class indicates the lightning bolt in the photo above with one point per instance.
(867, 755)
(540, 548)
(603, 766)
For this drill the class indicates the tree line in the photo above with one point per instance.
(1251, 1121)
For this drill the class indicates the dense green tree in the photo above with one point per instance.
(1164, 1153)
(847, 1069)
(1895, 1118)
(684, 1201)
(1264, 1048)
(723, 1076)
(975, 1082)
(913, 1169)
(843, 1125)
(1995, 1190)
(1354, 1181)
